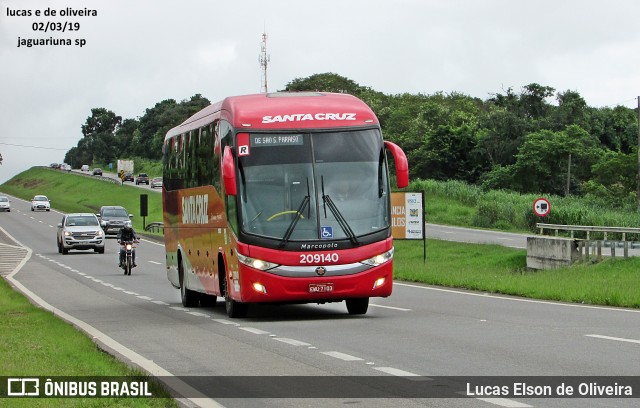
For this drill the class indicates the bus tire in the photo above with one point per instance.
(357, 306)
(189, 297)
(234, 308)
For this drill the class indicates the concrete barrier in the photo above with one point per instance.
(545, 252)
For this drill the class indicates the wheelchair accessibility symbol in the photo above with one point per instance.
(326, 233)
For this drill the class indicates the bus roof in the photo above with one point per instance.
(284, 110)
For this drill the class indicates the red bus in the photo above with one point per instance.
(280, 198)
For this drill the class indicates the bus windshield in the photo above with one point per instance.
(314, 186)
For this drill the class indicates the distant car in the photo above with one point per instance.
(142, 178)
(80, 231)
(40, 202)
(54, 165)
(85, 167)
(5, 204)
(128, 177)
(97, 172)
(156, 182)
(112, 218)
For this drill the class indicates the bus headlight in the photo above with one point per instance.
(256, 263)
(379, 259)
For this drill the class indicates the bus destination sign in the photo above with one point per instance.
(276, 140)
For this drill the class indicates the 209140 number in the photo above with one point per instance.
(319, 258)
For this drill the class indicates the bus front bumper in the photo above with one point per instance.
(265, 287)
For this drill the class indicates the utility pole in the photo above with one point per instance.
(264, 61)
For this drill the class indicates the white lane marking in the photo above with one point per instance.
(341, 356)
(128, 292)
(224, 321)
(253, 330)
(179, 308)
(198, 314)
(144, 297)
(598, 336)
(154, 262)
(515, 299)
(396, 372)
(291, 341)
(402, 309)
(160, 302)
(503, 402)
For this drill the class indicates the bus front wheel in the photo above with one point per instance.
(357, 306)
(233, 307)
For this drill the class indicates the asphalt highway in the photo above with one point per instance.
(444, 340)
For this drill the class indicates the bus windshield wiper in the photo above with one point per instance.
(328, 202)
(303, 205)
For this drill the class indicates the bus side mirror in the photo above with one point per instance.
(402, 165)
(229, 172)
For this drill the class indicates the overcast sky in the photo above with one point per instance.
(140, 52)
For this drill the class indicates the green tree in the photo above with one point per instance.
(543, 162)
(98, 142)
(157, 121)
(327, 82)
(613, 182)
(101, 121)
(572, 110)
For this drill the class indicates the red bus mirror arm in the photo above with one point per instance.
(229, 172)
(401, 163)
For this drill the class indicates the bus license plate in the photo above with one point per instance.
(320, 287)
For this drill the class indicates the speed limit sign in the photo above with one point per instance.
(541, 207)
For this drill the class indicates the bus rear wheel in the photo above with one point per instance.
(234, 308)
(357, 306)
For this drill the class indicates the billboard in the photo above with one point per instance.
(407, 215)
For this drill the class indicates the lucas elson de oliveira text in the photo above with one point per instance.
(522, 389)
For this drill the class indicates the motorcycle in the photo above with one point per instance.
(127, 264)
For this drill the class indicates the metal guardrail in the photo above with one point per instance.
(154, 227)
(585, 243)
(589, 229)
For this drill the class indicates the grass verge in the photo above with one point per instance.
(33, 342)
(69, 192)
(498, 269)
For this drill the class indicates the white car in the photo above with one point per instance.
(40, 202)
(80, 231)
(5, 204)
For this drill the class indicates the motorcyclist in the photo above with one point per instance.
(127, 234)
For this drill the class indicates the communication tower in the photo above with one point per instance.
(264, 61)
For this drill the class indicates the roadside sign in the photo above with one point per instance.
(407, 216)
(541, 207)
